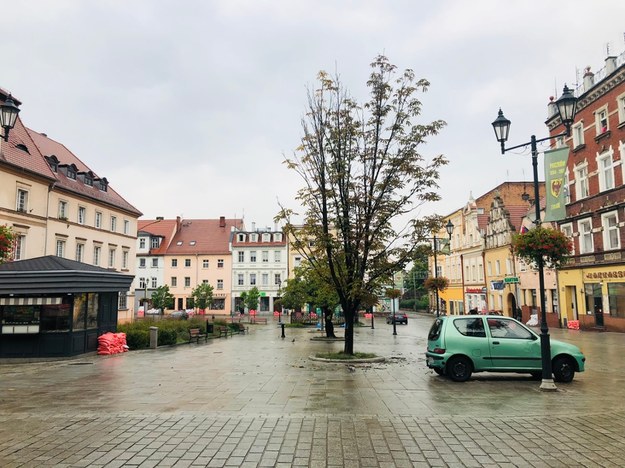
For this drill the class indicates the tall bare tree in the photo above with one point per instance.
(363, 179)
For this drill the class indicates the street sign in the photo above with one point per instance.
(511, 279)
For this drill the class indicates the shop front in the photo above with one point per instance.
(475, 298)
(595, 297)
(54, 307)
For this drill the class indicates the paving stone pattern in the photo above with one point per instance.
(257, 401)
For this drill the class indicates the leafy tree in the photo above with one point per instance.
(7, 237)
(162, 298)
(363, 178)
(202, 295)
(250, 298)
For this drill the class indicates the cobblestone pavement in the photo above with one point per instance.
(257, 400)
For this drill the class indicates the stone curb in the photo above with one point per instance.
(348, 361)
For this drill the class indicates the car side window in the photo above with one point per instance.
(473, 326)
(501, 328)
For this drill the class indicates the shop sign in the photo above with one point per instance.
(475, 290)
(605, 274)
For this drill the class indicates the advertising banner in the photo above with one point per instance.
(555, 169)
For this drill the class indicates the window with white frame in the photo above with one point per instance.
(611, 234)
(560, 141)
(253, 237)
(22, 200)
(154, 283)
(98, 220)
(62, 209)
(241, 237)
(126, 226)
(567, 189)
(220, 263)
(220, 284)
(125, 259)
(60, 248)
(586, 244)
(174, 263)
(142, 263)
(277, 237)
(187, 262)
(82, 214)
(581, 182)
(123, 301)
(578, 134)
(80, 252)
(620, 102)
(277, 257)
(187, 281)
(155, 242)
(252, 256)
(142, 243)
(113, 223)
(252, 279)
(240, 279)
(265, 256)
(277, 279)
(19, 247)
(155, 262)
(605, 168)
(204, 281)
(265, 279)
(297, 261)
(174, 281)
(143, 283)
(266, 237)
(508, 266)
(241, 256)
(97, 252)
(601, 120)
(112, 257)
(489, 265)
(205, 263)
(567, 230)
(497, 267)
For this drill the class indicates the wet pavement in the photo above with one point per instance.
(257, 400)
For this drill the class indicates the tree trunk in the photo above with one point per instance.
(349, 332)
(327, 315)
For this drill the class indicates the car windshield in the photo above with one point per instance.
(435, 331)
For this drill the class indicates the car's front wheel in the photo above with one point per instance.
(459, 368)
(563, 369)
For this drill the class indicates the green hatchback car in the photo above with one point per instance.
(463, 344)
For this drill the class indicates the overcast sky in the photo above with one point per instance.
(189, 107)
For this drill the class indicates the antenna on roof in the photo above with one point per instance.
(607, 49)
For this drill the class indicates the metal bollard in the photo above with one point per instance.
(153, 337)
(282, 326)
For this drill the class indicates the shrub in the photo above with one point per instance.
(137, 339)
(167, 337)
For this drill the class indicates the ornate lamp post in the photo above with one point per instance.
(449, 227)
(8, 116)
(567, 105)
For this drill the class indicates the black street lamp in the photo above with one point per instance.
(449, 227)
(8, 116)
(566, 104)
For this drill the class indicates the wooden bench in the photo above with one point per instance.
(241, 328)
(258, 320)
(224, 331)
(196, 334)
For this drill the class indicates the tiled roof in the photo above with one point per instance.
(165, 228)
(51, 263)
(209, 235)
(14, 152)
(517, 213)
(49, 147)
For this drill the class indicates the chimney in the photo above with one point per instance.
(552, 109)
(253, 226)
(222, 221)
(178, 222)
(589, 79)
(159, 218)
(610, 65)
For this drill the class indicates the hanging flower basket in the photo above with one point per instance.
(6, 243)
(433, 284)
(553, 246)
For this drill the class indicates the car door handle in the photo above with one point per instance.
(495, 342)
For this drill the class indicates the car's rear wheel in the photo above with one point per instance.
(563, 369)
(459, 368)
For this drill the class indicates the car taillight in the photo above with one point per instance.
(438, 350)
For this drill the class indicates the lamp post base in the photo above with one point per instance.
(547, 385)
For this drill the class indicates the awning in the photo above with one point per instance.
(30, 300)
